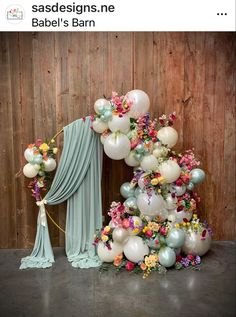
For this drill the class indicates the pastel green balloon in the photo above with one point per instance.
(190, 186)
(167, 257)
(197, 176)
(107, 115)
(154, 243)
(126, 190)
(131, 203)
(175, 238)
(139, 148)
(38, 159)
(137, 191)
(138, 156)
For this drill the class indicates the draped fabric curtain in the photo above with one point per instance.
(77, 180)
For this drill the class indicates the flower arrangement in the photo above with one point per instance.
(41, 162)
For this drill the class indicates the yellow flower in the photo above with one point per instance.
(151, 260)
(145, 229)
(153, 226)
(184, 224)
(194, 216)
(154, 181)
(136, 230)
(177, 225)
(55, 150)
(159, 191)
(188, 224)
(136, 223)
(196, 225)
(107, 229)
(104, 238)
(44, 147)
(161, 179)
(52, 141)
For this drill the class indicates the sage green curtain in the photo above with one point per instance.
(77, 180)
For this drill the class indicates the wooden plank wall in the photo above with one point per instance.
(51, 79)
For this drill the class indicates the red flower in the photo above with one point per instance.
(178, 258)
(190, 257)
(179, 182)
(163, 231)
(129, 266)
(149, 233)
(180, 208)
(204, 233)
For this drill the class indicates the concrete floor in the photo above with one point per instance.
(65, 291)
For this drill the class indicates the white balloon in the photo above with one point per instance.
(149, 162)
(162, 215)
(50, 164)
(180, 215)
(29, 154)
(195, 245)
(121, 124)
(135, 249)
(178, 190)
(170, 170)
(117, 146)
(103, 137)
(150, 205)
(171, 202)
(130, 160)
(107, 255)
(141, 180)
(101, 103)
(99, 126)
(120, 235)
(29, 170)
(140, 103)
(168, 136)
(36, 166)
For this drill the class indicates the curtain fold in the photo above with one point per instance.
(77, 180)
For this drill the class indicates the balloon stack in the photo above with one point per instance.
(156, 226)
(41, 162)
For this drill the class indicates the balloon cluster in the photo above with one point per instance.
(41, 161)
(158, 219)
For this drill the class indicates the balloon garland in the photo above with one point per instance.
(157, 226)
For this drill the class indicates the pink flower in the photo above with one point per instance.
(129, 266)
(125, 223)
(149, 233)
(163, 230)
(190, 257)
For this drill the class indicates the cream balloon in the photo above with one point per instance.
(29, 170)
(29, 154)
(135, 249)
(99, 126)
(149, 163)
(168, 136)
(140, 103)
(130, 160)
(103, 137)
(180, 215)
(121, 124)
(117, 146)
(171, 201)
(195, 245)
(150, 205)
(120, 235)
(107, 255)
(170, 170)
(50, 164)
(100, 104)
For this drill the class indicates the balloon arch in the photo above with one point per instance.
(157, 226)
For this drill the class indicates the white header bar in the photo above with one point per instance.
(117, 15)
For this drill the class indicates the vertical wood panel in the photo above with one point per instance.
(51, 79)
